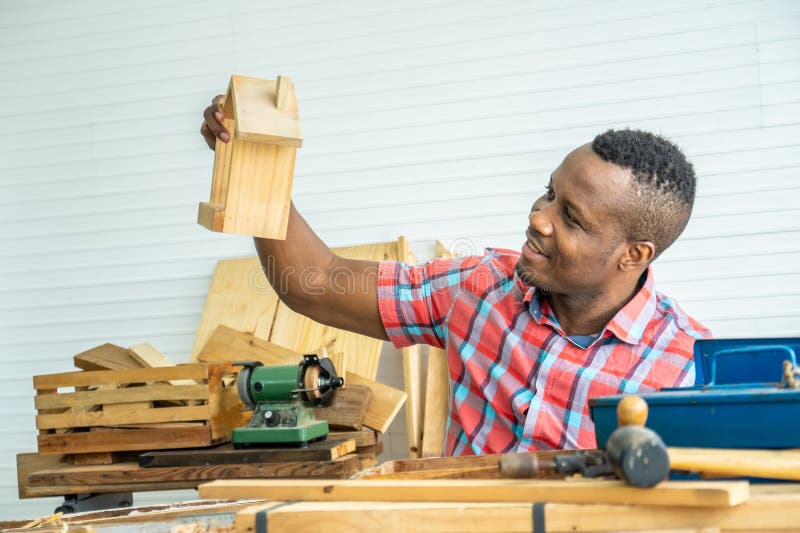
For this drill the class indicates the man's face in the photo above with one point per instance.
(574, 238)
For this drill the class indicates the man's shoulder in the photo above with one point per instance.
(684, 325)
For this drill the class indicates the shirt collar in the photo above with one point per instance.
(627, 325)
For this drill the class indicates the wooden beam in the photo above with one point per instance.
(385, 404)
(674, 493)
(437, 397)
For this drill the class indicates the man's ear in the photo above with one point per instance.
(637, 256)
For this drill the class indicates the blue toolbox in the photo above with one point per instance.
(744, 397)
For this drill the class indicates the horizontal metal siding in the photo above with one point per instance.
(428, 119)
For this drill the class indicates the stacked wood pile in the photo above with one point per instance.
(94, 423)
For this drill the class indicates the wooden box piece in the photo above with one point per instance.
(253, 172)
(136, 409)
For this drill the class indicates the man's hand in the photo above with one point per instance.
(212, 128)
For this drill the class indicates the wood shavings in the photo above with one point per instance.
(200, 527)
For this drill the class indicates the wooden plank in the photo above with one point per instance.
(132, 473)
(125, 439)
(437, 397)
(365, 437)
(449, 463)
(126, 416)
(306, 517)
(157, 513)
(117, 377)
(674, 493)
(386, 402)
(123, 411)
(328, 450)
(228, 344)
(155, 392)
(760, 513)
(348, 408)
(412, 376)
(32, 462)
(105, 357)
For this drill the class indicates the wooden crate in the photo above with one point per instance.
(136, 409)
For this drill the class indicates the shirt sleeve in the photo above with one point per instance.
(414, 301)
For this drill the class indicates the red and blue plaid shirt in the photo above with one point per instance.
(517, 382)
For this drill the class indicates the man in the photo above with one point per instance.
(530, 336)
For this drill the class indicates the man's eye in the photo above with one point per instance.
(548, 192)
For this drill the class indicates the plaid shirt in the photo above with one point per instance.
(517, 382)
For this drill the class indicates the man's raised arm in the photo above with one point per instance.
(306, 275)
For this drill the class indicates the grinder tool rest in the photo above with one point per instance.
(281, 398)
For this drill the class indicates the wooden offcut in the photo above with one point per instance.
(348, 407)
(253, 172)
(670, 493)
(106, 357)
(385, 404)
(140, 397)
(228, 344)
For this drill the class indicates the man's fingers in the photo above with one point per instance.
(205, 131)
(213, 119)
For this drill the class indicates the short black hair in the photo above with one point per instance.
(663, 189)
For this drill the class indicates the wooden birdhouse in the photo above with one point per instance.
(252, 184)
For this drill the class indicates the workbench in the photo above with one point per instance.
(451, 494)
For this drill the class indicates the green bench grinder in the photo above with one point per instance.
(281, 398)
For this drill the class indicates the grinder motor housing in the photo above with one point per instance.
(281, 398)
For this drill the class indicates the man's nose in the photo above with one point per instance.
(540, 222)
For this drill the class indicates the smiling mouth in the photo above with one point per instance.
(533, 246)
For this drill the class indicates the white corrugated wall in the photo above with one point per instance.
(432, 119)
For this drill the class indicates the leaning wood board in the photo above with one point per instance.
(241, 298)
(766, 510)
(681, 493)
(384, 405)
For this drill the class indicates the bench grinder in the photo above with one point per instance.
(281, 398)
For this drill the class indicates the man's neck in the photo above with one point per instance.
(588, 314)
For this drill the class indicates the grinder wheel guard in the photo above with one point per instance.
(317, 380)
